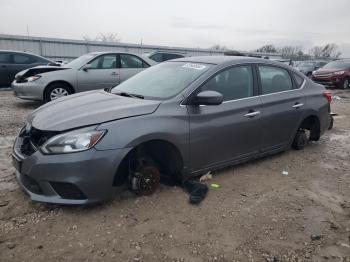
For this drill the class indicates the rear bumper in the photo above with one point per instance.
(77, 178)
(29, 90)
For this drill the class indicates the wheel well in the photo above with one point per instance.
(312, 123)
(71, 89)
(161, 153)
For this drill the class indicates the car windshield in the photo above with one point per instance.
(306, 64)
(163, 80)
(337, 65)
(80, 61)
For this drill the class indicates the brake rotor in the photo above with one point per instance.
(146, 181)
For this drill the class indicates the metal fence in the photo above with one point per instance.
(68, 49)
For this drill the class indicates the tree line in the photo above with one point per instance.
(328, 51)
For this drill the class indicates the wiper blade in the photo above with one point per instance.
(130, 95)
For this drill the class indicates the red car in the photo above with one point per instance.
(334, 74)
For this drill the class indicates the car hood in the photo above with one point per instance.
(21, 76)
(322, 71)
(88, 108)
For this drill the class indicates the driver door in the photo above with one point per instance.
(102, 73)
(231, 130)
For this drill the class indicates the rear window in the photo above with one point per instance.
(5, 58)
(23, 59)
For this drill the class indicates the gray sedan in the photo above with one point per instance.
(88, 72)
(180, 118)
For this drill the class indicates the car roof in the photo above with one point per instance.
(223, 60)
(24, 53)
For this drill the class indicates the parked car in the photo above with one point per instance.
(161, 56)
(334, 74)
(88, 72)
(12, 62)
(307, 67)
(181, 118)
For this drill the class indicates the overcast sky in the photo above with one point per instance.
(242, 25)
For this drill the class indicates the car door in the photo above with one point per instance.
(282, 106)
(130, 65)
(231, 130)
(5, 69)
(102, 72)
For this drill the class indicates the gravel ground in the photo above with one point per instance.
(257, 214)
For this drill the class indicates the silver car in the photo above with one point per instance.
(99, 70)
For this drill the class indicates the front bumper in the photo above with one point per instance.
(330, 81)
(76, 178)
(29, 90)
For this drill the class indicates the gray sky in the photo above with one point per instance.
(243, 25)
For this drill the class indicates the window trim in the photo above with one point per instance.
(255, 90)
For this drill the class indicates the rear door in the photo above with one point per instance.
(130, 65)
(103, 73)
(5, 69)
(231, 130)
(282, 106)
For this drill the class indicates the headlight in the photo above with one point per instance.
(74, 141)
(339, 73)
(33, 78)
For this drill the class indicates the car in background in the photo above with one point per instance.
(165, 120)
(99, 70)
(334, 74)
(160, 56)
(12, 62)
(307, 67)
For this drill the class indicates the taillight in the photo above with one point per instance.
(328, 96)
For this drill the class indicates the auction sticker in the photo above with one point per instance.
(194, 66)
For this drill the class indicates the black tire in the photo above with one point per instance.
(300, 140)
(56, 89)
(346, 83)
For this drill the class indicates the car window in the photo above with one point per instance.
(299, 80)
(157, 57)
(22, 59)
(104, 62)
(233, 83)
(131, 61)
(171, 56)
(5, 58)
(274, 79)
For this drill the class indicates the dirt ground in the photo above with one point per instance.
(258, 214)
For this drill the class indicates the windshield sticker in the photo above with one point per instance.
(194, 66)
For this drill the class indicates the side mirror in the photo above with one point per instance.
(86, 67)
(209, 98)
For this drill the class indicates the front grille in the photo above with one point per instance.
(67, 190)
(33, 139)
(31, 184)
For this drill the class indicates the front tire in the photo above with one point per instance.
(346, 83)
(55, 91)
(300, 140)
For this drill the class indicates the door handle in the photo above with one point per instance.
(252, 114)
(114, 74)
(297, 105)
